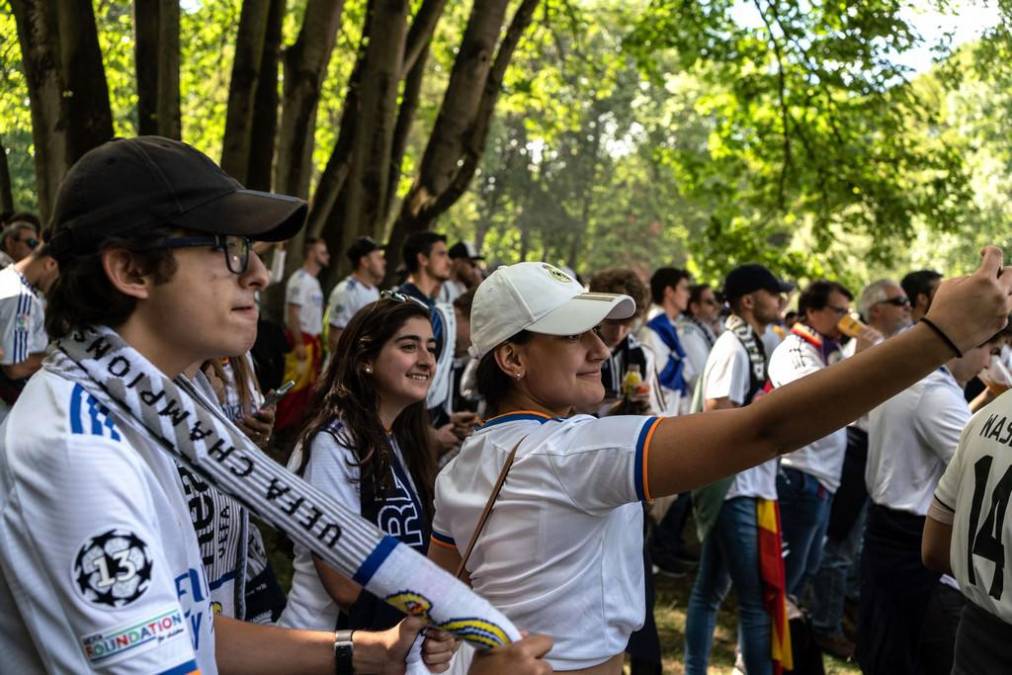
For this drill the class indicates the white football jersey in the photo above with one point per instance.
(99, 564)
(22, 318)
(303, 289)
(347, 298)
(562, 552)
(976, 487)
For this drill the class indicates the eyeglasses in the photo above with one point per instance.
(30, 242)
(840, 311)
(898, 301)
(236, 248)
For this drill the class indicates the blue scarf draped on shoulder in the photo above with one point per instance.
(672, 376)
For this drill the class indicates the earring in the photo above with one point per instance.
(368, 369)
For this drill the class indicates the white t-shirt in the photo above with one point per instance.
(562, 552)
(911, 439)
(347, 298)
(976, 486)
(793, 359)
(331, 468)
(303, 289)
(449, 291)
(727, 375)
(22, 318)
(99, 563)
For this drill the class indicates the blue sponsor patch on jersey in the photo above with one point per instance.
(88, 417)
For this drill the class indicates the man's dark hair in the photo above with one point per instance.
(816, 296)
(419, 242)
(24, 217)
(696, 295)
(919, 283)
(83, 295)
(663, 278)
(625, 281)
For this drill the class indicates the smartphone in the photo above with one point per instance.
(277, 394)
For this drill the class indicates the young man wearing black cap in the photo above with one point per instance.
(358, 289)
(465, 271)
(727, 511)
(100, 567)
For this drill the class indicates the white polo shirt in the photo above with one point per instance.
(562, 552)
(675, 402)
(794, 359)
(911, 438)
(22, 318)
(697, 340)
(727, 375)
(99, 563)
(347, 298)
(975, 491)
(303, 289)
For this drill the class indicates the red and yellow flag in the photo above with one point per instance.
(771, 569)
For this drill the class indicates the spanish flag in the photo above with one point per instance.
(771, 569)
(292, 408)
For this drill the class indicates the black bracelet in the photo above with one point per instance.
(343, 652)
(945, 338)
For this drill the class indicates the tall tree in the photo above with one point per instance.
(156, 58)
(243, 88)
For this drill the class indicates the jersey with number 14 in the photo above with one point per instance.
(976, 486)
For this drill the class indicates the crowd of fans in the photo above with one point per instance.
(412, 406)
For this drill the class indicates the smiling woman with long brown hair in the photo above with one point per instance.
(367, 446)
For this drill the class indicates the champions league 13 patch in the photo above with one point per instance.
(113, 569)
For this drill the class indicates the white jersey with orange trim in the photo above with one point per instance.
(562, 552)
(99, 563)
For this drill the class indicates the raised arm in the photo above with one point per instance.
(691, 451)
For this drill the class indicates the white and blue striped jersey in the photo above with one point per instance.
(99, 563)
(22, 318)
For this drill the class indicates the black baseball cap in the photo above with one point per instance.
(362, 247)
(464, 249)
(149, 181)
(752, 277)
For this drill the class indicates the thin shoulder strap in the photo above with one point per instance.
(488, 507)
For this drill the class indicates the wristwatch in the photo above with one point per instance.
(343, 651)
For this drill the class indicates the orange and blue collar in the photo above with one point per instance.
(515, 416)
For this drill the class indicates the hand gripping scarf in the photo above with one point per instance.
(200, 437)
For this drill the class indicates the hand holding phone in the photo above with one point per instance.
(276, 395)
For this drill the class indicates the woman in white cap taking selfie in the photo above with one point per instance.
(561, 551)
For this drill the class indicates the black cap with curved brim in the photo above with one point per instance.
(752, 277)
(149, 182)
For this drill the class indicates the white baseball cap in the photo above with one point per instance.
(539, 298)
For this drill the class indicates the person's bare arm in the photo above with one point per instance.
(449, 559)
(250, 649)
(689, 451)
(26, 368)
(344, 591)
(723, 403)
(935, 546)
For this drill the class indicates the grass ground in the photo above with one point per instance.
(669, 612)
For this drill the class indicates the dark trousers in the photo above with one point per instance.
(896, 590)
(982, 643)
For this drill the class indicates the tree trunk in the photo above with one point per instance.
(305, 65)
(242, 88)
(365, 199)
(6, 193)
(66, 86)
(458, 138)
(423, 25)
(89, 117)
(170, 122)
(265, 106)
(402, 130)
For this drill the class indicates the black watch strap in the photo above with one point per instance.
(343, 651)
